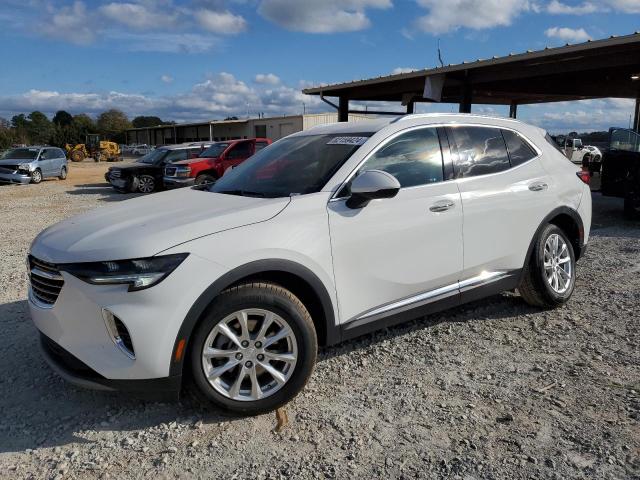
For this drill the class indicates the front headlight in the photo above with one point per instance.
(24, 166)
(139, 274)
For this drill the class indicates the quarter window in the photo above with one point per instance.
(480, 151)
(414, 158)
(519, 149)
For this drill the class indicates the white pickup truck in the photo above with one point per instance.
(585, 155)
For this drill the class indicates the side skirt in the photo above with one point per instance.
(464, 294)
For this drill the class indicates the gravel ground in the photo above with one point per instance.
(494, 389)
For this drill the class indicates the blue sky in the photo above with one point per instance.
(203, 59)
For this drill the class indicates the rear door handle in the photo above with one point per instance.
(442, 206)
(538, 186)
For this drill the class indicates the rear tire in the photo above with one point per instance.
(632, 205)
(76, 156)
(549, 277)
(265, 383)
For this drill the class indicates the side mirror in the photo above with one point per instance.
(372, 185)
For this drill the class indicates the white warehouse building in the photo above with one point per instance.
(272, 127)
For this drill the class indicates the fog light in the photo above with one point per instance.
(118, 333)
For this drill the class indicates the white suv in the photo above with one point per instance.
(325, 235)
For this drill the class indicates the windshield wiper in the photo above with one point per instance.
(242, 193)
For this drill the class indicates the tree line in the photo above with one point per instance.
(37, 129)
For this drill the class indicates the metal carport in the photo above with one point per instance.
(594, 69)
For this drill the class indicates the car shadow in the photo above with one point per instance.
(105, 192)
(41, 410)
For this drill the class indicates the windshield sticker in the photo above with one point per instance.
(348, 141)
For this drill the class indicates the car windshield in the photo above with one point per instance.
(214, 150)
(152, 157)
(21, 153)
(293, 165)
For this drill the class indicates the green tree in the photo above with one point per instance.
(142, 121)
(85, 124)
(62, 118)
(112, 125)
(39, 128)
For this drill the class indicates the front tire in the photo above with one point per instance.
(36, 176)
(63, 173)
(204, 178)
(146, 184)
(254, 350)
(550, 275)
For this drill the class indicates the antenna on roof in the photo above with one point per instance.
(440, 55)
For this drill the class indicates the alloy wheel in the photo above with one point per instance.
(36, 176)
(558, 267)
(249, 355)
(146, 184)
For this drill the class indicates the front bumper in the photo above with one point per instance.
(174, 182)
(81, 375)
(19, 178)
(152, 318)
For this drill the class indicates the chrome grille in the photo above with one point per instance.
(115, 174)
(170, 171)
(46, 281)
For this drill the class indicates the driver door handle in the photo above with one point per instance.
(538, 186)
(442, 206)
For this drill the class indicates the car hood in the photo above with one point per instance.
(195, 160)
(14, 161)
(147, 225)
(126, 166)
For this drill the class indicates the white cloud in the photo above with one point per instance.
(71, 24)
(623, 6)
(558, 8)
(584, 115)
(224, 23)
(218, 96)
(267, 79)
(572, 35)
(321, 16)
(163, 42)
(166, 78)
(447, 16)
(626, 6)
(139, 16)
(398, 70)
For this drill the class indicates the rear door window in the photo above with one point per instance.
(479, 151)
(519, 149)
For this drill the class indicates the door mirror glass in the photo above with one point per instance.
(372, 185)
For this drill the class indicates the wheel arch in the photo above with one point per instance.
(209, 171)
(569, 221)
(301, 281)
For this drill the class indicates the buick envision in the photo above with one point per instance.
(325, 235)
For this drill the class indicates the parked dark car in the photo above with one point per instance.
(145, 174)
(621, 169)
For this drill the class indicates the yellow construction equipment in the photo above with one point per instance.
(99, 150)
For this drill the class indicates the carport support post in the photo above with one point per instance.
(465, 103)
(343, 109)
(513, 110)
(636, 117)
(410, 107)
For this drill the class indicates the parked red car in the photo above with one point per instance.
(212, 162)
